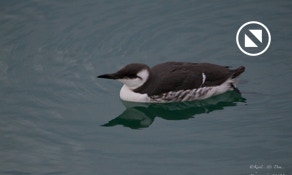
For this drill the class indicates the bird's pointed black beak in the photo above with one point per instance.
(108, 76)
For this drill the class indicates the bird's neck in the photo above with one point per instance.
(142, 77)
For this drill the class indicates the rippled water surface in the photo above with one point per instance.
(56, 117)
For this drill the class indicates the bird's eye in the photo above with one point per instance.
(132, 76)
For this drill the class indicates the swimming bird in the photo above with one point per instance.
(174, 81)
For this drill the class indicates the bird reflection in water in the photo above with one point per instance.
(142, 115)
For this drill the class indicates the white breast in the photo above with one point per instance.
(128, 95)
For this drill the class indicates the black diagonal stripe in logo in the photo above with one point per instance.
(253, 38)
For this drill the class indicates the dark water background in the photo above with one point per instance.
(57, 118)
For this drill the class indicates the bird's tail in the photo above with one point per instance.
(237, 72)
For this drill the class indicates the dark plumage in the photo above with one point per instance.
(175, 76)
(174, 81)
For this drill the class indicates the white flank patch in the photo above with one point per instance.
(194, 94)
(127, 94)
(203, 78)
(216, 90)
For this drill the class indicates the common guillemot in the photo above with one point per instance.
(174, 81)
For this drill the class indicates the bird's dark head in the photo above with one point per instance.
(133, 75)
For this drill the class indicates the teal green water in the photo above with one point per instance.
(56, 117)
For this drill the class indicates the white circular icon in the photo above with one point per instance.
(256, 33)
